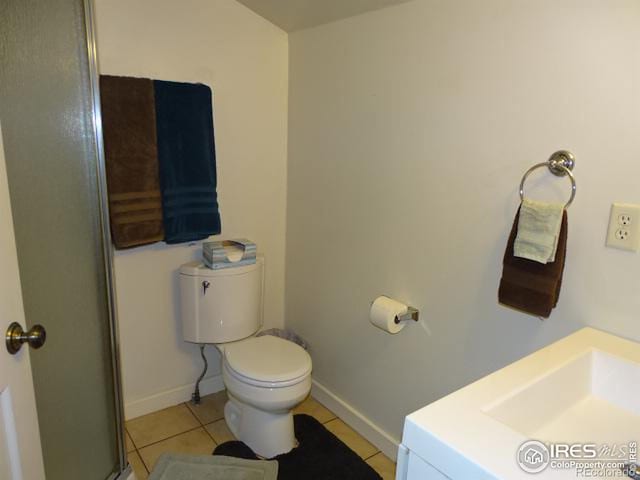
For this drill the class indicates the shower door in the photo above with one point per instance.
(49, 111)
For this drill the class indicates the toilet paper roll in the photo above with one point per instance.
(384, 312)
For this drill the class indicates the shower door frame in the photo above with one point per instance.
(124, 470)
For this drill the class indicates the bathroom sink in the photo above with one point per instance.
(593, 396)
(581, 392)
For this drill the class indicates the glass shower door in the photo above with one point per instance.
(51, 132)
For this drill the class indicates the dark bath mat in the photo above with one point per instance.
(319, 455)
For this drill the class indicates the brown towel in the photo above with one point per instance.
(531, 286)
(130, 144)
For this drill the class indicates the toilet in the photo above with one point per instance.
(265, 377)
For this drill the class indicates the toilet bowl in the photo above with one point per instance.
(265, 377)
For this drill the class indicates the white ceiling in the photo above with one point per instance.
(291, 15)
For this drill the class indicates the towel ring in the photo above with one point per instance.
(560, 164)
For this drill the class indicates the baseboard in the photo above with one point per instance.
(172, 397)
(385, 442)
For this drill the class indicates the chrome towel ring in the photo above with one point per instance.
(560, 164)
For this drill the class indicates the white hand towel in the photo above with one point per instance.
(538, 231)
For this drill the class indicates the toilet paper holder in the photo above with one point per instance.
(411, 314)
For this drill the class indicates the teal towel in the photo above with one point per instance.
(187, 161)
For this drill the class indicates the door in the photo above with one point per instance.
(50, 120)
(20, 451)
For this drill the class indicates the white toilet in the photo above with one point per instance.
(266, 377)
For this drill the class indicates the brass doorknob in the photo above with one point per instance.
(16, 336)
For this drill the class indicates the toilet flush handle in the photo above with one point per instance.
(205, 285)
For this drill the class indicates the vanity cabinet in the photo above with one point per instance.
(412, 467)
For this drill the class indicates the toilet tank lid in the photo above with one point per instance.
(199, 269)
(268, 359)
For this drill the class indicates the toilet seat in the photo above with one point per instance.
(267, 361)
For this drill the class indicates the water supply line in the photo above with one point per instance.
(195, 396)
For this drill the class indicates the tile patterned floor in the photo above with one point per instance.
(197, 429)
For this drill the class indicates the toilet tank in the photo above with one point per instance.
(218, 306)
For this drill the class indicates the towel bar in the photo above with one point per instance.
(560, 163)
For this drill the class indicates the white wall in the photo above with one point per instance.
(245, 60)
(409, 131)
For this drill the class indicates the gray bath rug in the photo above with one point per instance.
(173, 466)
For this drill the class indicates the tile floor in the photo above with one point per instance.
(197, 429)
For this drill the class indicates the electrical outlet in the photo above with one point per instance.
(624, 223)
(624, 219)
(622, 234)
